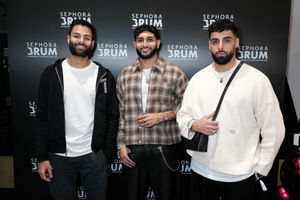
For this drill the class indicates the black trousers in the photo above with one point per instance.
(206, 189)
(90, 168)
(156, 166)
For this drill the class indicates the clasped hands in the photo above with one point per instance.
(149, 120)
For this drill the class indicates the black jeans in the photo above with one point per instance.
(156, 166)
(92, 170)
(207, 189)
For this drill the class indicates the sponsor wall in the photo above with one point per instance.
(37, 37)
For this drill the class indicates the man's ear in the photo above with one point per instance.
(237, 44)
(68, 39)
(158, 44)
(93, 43)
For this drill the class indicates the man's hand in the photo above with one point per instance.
(45, 170)
(124, 151)
(149, 120)
(205, 125)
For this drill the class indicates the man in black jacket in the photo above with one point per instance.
(77, 119)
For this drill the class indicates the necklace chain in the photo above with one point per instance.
(217, 74)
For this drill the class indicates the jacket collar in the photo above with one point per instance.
(58, 65)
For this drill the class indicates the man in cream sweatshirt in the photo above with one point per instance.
(249, 128)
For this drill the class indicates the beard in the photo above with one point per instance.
(222, 60)
(150, 55)
(82, 52)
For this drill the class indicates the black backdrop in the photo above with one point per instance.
(37, 37)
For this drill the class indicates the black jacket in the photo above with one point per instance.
(50, 135)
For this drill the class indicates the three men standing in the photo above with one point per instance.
(78, 120)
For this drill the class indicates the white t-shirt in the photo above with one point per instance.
(79, 104)
(145, 84)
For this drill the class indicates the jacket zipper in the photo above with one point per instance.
(100, 81)
(60, 82)
(97, 85)
(62, 91)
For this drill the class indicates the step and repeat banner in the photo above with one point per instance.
(37, 36)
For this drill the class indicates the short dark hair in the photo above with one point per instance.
(223, 25)
(84, 23)
(146, 27)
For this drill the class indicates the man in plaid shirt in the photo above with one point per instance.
(150, 92)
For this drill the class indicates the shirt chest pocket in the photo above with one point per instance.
(163, 91)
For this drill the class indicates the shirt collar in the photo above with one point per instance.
(160, 65)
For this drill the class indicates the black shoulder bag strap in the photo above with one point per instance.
(201, 139)
(225, 89)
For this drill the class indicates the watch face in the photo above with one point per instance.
(165, 116)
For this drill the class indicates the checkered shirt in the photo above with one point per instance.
(167, 84)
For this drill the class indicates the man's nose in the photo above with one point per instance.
(221, 45)
(81, 39)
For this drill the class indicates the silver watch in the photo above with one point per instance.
(166, 118)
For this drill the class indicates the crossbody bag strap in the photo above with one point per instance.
(225, 89)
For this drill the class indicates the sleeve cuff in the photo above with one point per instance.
(119, 147)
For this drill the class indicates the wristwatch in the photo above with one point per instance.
(166, 118)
